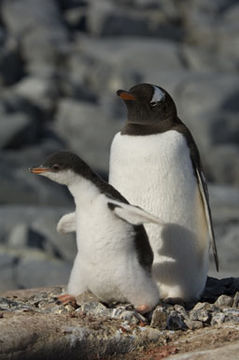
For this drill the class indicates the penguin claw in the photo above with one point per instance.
(66, 299)
(143, 308)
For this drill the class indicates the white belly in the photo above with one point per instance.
(107, 262)
(155, 172)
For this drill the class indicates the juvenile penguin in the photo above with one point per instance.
(155, 163)
(114, 257)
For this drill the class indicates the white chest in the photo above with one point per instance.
(155, 172)
(99, 233)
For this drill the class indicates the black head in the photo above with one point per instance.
(66, 160)
(148, 105)
(62, 165)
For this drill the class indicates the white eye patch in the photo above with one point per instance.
(158, 95)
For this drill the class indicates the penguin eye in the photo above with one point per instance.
(56, 167)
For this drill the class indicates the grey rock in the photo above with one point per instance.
(195, 102)
(200, 315)
(7, 304)
(6, 260)
(193, 324)
(27, 217)
(231, 315)
(236, 300)
(211, 32)
(224, 300)
(39, 27)
(44, 270)
(113, 63)
(57, 245)
(224, 202)
(129, 316)
(97, 309)
(19, 186)
(223, 164)
(76, 18)
(11, 64)
(42, 235)
(224, 126)
(228, 44)
(203, 312)
(107, 18)
(227, 235)
(86, 297)
(94, 308)
(8, 280)
(159, 317)
(218, 318)
(17, 237)
(78, 123)
(175, 321)
(17, 129)
(39, 91)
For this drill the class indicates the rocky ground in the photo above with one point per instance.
(34, 325)
(61, 62)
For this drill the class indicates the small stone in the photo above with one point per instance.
(203, 316)
(85, 297)
(17, 129)
(199, 306)
(201, 312)
(181, 310)
(231, 315)
(151, 334)
(130, 316)
(218, 319)
(41, 92)
(175, 321)
(224, 300)
(94, 308)
(193, 325)
(159, 318)
(236, 300)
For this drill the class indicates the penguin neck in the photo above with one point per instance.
(157, 126)
(83, 190)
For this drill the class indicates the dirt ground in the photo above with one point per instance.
(185, 341)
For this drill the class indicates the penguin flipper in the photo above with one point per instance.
(132, 214)
(67, 223)
(205, 198)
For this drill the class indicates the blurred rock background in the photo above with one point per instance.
(61, 62)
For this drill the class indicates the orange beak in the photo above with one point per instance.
(125, 95)
(38, 170)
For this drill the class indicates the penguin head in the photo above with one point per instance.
(63, 167)
(148, 104)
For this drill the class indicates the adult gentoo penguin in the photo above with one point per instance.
(155, 163)
(114, 256)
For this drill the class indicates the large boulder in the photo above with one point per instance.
(40, 30)
(87, 130)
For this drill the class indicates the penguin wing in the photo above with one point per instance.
(132, 214)
(205, 197)
(67, 223)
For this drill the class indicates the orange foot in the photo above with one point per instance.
(67, 299)
(143, 309)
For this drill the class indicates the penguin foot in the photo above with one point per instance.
(174, 301)
(66, 299)
(143, 308)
